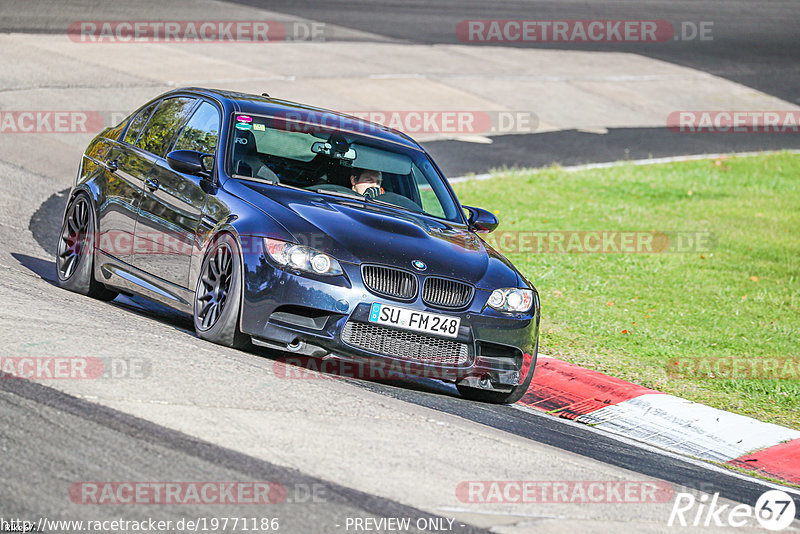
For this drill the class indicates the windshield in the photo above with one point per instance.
(339, 163)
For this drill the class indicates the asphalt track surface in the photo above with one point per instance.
(55, 438)
(754, 43)
(570, 147)
(97, 429)
(75, 438)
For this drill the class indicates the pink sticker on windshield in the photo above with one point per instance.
(244, 118)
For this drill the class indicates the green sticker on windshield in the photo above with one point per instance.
(243, 125)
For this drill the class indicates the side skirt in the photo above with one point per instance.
(116, 273)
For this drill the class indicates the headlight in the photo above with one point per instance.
(306, 259)
(511, 300)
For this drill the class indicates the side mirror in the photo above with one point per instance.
(481, 220)
(191, 162)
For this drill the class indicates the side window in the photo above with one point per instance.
(162, 125)
(202, 130)
(136, 123)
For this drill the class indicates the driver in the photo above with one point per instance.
(366, 182)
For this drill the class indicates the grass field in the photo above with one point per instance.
(713, 323)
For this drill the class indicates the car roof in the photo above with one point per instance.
(265, 105)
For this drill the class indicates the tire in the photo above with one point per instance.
(495, 397)
(75, 250)
(218, 295)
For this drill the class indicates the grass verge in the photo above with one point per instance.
(715, 318)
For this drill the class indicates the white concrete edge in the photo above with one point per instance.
(704, 464)
(610, 164)
(682, 419)
(689, 427)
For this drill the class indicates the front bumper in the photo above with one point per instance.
(319, 316)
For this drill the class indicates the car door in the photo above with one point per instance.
(126, 167)
(172, 204)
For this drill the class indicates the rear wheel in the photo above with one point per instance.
(75, 252)
(218, 295)
(496, 397)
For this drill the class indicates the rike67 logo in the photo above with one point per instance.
(774, 510)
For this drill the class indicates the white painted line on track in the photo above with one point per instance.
(456, 510)
(611, 164)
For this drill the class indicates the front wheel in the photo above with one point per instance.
(75, 251)
(496, 397)
(218, 295)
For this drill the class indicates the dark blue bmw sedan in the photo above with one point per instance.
(303, 230)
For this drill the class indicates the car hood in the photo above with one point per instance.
(355, 232)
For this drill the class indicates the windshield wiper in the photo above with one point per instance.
(341, 194)
(393, 205)
(255, 179)
(356, 196)
(363, 198)
(381, 202)
(333, 193)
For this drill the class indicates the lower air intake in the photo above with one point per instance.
(405, 345)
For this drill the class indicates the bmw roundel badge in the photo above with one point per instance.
(419, 265)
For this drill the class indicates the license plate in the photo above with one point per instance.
(430, 323)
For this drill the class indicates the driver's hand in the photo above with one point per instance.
(372, 192)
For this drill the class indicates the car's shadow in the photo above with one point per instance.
(46, 270)
(46, 221)
(292, 366)
(373, 372)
